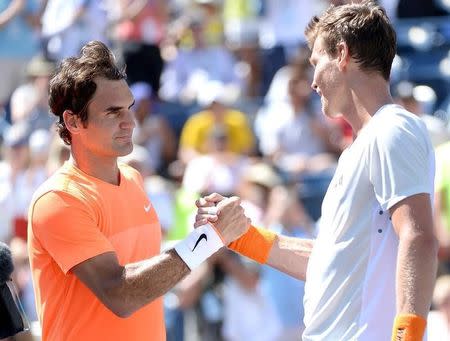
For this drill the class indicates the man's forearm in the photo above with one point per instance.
(290, 255)
(416, 273)
(145, 281)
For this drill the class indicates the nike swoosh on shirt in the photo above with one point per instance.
(202, 236)
(147, 208)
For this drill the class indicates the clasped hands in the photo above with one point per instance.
(226, 214)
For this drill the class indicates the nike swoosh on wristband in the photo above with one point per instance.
(202, 236)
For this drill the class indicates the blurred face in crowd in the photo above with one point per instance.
(217, 141)
(198, 34)
(17, 156)
(218, 109)
(299, 89)
(110, 123)
(327, 80)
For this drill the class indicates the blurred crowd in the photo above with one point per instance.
(223, 103)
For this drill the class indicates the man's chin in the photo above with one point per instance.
(125, 150)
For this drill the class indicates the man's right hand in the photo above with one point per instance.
(229, 220)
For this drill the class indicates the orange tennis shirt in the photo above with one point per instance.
(74, 217)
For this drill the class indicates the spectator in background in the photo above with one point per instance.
(29, 101)
(439, 317)
(303, 143)
(213, 22)
(248, 314)
(196, 64)
(296, 137)
(68, 24)
(12, 176)
(197, 129)
(31, 178)
(241, 24)
(281, 33)
(255, 188)
(218, 170)
(152, 130)
(141, 26)
(249, 310)
(18, 43)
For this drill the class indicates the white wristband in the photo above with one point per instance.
(199, 245)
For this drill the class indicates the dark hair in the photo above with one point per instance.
(366, 30)
(73, 85)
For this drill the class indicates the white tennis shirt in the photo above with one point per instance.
(350, 286)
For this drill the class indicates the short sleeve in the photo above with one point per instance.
(401, 162)
(66, 227)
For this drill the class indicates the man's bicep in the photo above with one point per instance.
(413, 215)
(100, 274)
(67, 230)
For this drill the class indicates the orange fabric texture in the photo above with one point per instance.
(74, 217)
(255, 244)
(408, 327)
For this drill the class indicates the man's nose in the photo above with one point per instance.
(129, 120)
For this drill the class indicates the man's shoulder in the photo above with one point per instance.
(394, 120)
(66, 182)
(398, 116)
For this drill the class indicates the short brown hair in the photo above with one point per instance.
(366, 30)
(73, 85)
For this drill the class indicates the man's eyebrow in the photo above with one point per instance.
(113, 109)
(116, 108)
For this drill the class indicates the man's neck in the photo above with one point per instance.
(102, 168)
(367, 97)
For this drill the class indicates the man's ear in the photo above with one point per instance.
(72, 121)
(343, 55)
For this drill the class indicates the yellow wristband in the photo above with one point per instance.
(408, 327)
(255, 244)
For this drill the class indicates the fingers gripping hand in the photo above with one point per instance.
(207, 210)
(232, 221)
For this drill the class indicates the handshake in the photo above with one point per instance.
(219, 222)
(225, 214)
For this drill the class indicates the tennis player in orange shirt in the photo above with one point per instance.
(94, 237)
